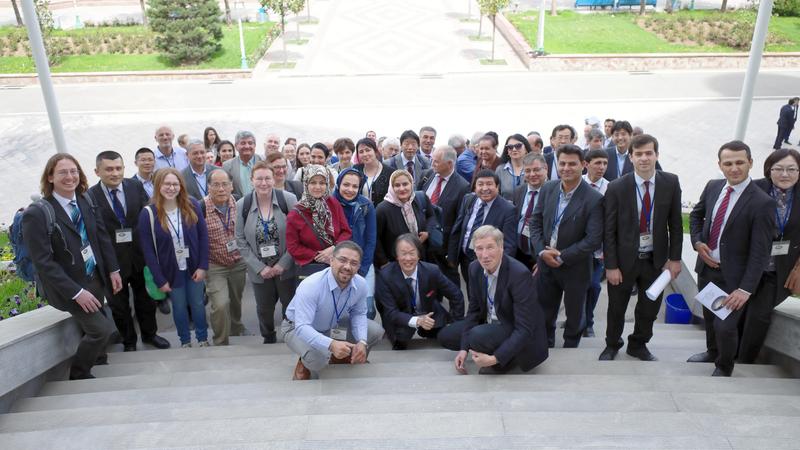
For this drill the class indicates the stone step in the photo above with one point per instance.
(419, 402)
(441, 425)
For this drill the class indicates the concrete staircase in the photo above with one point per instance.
(241, 396)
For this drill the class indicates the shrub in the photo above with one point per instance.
(188, 31)
(787, 8)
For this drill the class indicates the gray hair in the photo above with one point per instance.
(218, 169)
(244, 135)
(485, 231)
(531, 158)
(427, 128)
(392, 141)
(457, 141)
(195, 141)
(449, 154)
(476, 137)
(596, 133)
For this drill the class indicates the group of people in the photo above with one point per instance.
(391, 227)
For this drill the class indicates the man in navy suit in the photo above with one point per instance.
(731, 230)
(120, 201)
(483, 207)
(74, 259)
(504, 327)
(786, 121)
(409, 159)
(619, 162)
(411, 292)
(566, 229)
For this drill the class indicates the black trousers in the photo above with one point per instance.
(552, 284)
(97, 329)
(143, 306)
(485, 338)
(757, 318)
(646, 312)
(440, 259)
(267, 294)
(464, 261)
(404, 334)
(783, 134)
(722, 336)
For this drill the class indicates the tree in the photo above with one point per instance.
(296, 7)
(144, 12)
(283, 7)
(642, 4)
(188, 31)
(16, 13)
(227, 12)
(490, 8)
(724, 6)
(553, 10)
(51, 44)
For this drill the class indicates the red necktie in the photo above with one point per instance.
(523, 240)
(437, 191)
(645, 208)
(716, 225)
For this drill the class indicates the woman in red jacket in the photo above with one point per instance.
(317, 223)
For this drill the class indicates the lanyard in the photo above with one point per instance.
(176, 229)
(515, 177)
(489, 298)
(561, 214)
(647, 214)
(167, 158)
(782, 223)
(227, 223)
(338, 312)
(199, 184)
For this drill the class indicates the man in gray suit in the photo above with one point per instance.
(408, 158)
(239, 167)
(566, 229)
(195, 176)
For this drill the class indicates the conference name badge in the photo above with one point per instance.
(87, 253)
(124, 235)
(645, 240)
(267, 250)
(181, 255)
(780, 248)
(339, 334)
(231, 246)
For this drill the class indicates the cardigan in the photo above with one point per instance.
(380, 187)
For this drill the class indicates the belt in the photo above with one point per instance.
(645, 255)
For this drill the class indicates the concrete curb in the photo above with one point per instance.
(634, 62)
(93, 77)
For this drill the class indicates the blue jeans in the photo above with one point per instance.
(594, 290)
(190, 296)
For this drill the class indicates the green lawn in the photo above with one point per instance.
(570, 32)
(228, 57)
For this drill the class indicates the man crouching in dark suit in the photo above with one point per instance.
(76, 267)
(731, 229)
(504, 327)
(411, 291)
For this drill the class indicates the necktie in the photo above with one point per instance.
(77, 219)
(524, 242)
(475, 225)
(716, 225)
(118, 210)
(410, 168)
(594, 185)
(437, 191)
(645, 208)
(413, 292)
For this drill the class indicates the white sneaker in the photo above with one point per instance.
(186, 345)
(203, 344)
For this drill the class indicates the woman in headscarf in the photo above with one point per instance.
(361, 217)
(400, 213)
(317, 223)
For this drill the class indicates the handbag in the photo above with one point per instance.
(149, 282)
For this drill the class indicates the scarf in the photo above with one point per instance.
(407, 207)
(350, 207)
(321, 220)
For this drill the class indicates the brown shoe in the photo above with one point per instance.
(335, 360)
(301, 372)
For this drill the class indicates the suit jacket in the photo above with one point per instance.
(786, 118)
(294, 187)
(791, 233)
(191, 182)
(746, 240)
(420, 165)
(621, 243)
(550, 159)
(393, 293)
(516, 303)
(129, 255)
(580, 231)
(58, 262)
(233, 167)
(449, 199)
(390, 224)
(612, 169)
(500, 215)
(380, 186)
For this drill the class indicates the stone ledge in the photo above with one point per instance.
(19, 79)
(784, 332)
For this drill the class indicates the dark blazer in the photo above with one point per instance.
(393, 293)
(611, 170)
(500, 215)
(380, 187)
(129, 255)
(191, 182)
(580, 232)
(455, 189)
(295, 187)
(233, 167)
(519, 199)
(621, 243)
(421, 164)
(550, 159)
(785, 263)
(58, 262)
(786, 118)
(746, 240)
(515, 302)
(391, 224)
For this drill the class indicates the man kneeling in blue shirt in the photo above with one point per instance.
(327, 318)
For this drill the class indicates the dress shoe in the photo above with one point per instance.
(301, 372)
(157, 342)
(720, 373)
(163, 306)
(703, 357)
(130, 348)
(492, 370)
(270, 338)
(101, 360)
(87, 376)
(608, 354)
(588, 332)
(399, 345)
(641, 353)
(335, 360)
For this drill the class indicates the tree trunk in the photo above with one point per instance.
(480, 25)
(283, 32)
(227, 12)
(298, 27)
(493, 32)
(469, 9)
(16, 13)
(642, 5)
(553, 10)
(668, 7)
(724, 6)
(308, 10)
(144, 13)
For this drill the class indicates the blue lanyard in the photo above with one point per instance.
(265, 222)
(227, 223)
(338, 312)
(517, 178)
(176, 229)
(782, 223)
(167, 158)
(200, 185)
(561, 214)
(648, 214)
(489, 298)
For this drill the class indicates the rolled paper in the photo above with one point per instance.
(659, 285)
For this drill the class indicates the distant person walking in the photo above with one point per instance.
(786, 121)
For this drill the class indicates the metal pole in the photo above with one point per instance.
(43, 70)
(241, 43)
(540, 30)
(78, 23)
(753, 64)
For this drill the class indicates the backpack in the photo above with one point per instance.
(248, 203)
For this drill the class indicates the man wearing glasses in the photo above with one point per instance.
(326, 322)
(534, 167)
(226, 269)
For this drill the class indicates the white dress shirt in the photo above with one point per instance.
(475, 207)
(640, 192)
(737, 192)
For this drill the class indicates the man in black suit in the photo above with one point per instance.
(566, 229)
(195, 175)
(504, 327)
(411, 291)
(786, 121)
(619, 162)
(525, 198)
(561, 135)
(445, 191)
(731, 230)
(483, 207)
(409, 159)
(73, 257)
(120, 201)
(643, 237)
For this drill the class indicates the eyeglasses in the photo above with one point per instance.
(516, 146)
(64, 173)
(786, 170)
(348, 262)
(220, 185)
(172, 185)
(283, 167)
